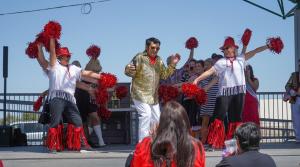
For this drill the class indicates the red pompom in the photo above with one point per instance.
(189, 90)
(107, 80)
(191, 43)
(93, 51)
(201, 97)
(45, 40)
(52, 30)
(167, 93)
(38, 103)
(121, 92)
(246, 37)
(102, 96)
(104, 113)
(275, 44)
(32, 50)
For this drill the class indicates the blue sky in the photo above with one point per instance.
(120, 28)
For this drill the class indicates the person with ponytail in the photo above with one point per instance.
(94, 121)
(171, 144)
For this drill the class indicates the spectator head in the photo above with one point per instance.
(169, 59)
(93, 65)
(248, 136)
(215, 57)
(172, 140)
(249, 70)
(192, 65)
(76, 63)
(199, 66)
(152, 46)
(208, 64)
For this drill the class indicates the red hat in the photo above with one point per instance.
(229, 41)
(64, 51)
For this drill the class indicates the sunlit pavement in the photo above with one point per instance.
(286, 154)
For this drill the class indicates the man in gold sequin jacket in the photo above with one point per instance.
(146, 70)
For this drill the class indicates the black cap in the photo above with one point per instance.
(216, 56)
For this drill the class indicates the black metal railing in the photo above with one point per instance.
(275, 116)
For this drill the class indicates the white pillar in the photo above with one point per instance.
(297, 37)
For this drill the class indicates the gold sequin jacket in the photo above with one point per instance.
(145, 81)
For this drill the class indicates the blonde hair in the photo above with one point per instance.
(94, 65)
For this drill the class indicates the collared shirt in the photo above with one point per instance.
(145, 82)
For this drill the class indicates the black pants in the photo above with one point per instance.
(232, 105)
(59, 107)
(191, 108)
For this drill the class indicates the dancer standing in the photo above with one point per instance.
(232, 89)
(62, 82)
(146, 70)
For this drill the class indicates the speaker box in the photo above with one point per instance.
(6, 136)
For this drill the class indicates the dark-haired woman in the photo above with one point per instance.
(171, 145)
(250, 112)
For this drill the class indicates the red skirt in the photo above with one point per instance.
(250, 112)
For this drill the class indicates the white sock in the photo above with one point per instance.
(98, 132)
(90, 130)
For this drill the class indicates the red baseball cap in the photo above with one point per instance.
(229, 41)
(64, 51)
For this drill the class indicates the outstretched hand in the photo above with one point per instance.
(176, 58)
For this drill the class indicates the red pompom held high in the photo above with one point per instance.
(191, 43)
(275, 44)
(52, 30)
(32, 50)
(93, 51)
(246, 37)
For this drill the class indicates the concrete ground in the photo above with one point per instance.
(285, 154)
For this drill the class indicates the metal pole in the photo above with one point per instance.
(297, 35)
(5, 75)
(4, 104)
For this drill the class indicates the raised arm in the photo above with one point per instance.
(90, 74)
(52, 52)
(89, 79)
(252, 53)
(244, 49)
(41, 58)
(191, 56)
(205, 75)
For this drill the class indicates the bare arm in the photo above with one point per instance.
(254, 84)
(205, 75)
(90, 74)
(86, 87)
(41, 58)
(252, 53)
(92, 80)
(244, 49)
(52, 52)
(210, 84)
(191, 55)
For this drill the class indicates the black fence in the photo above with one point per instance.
(275, 118)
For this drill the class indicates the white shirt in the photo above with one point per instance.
(63, 79)
(231, 76)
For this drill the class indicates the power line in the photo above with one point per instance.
(59, 7)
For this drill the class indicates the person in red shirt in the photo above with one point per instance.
(171, 144)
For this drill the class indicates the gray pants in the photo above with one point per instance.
(60, 107)
(296, 117)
